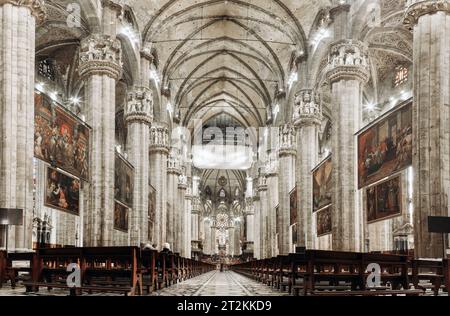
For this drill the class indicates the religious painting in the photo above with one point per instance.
(62, 192)
(384, 200)
(123, 181)
(293, 206)
(120, 217)
(294, 234)
(385, 148)
(324, 226)
(322, 185)
(60, 138)
(151, 211)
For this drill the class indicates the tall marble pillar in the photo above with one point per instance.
(231, 241)
(180, 216)
(187, 221)
(159, 152)
(264, 240)
(18, 21)
(100, 67)
(272, 202)
(286, 182)
(195, 222)
(347, 72)
(256, 227)
(173, 172)
(139, 116)
(430, 22)
(307, 118)
(250, 227)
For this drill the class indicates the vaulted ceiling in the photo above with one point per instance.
(226, 54)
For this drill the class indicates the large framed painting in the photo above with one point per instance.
(60, 138)
(322, 185)
(278, 219)
(62, 192)
(120, 217)
(151, 211)
(294, 234)
(386, 147)
(384, 200)
(324, 222)
(123, 181)
(293, 206)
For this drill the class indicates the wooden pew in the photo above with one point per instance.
(149, 270)
(431, 271)
(10, 272)
(103, 269)
(3, 264)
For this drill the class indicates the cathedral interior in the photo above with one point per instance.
(225, 131)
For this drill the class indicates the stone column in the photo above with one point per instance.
(286, 182)
(307, 118)
(262, 190)
(100, 67)
(231, 241)
(187, 222)
(139, 116)
(180, 216)
(173, 172)
(430, 22)
(250, 227)
(195, 217)
(257, 228)
(159, 151)
(18, 21)
(207, 245)
(347, 73)
(272, 202)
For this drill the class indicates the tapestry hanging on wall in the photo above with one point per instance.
(384, 200)
(62, 192)
(60, 138)
(293, 206)
(123, 181)
(385, 148)
(322, 185)
(120, 217)
(324, 222)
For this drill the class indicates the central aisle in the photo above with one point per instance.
(217, 283)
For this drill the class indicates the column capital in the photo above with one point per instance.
(307, 108)
(100, 55)
(159, 139)
(287, 141)
(348, 59)
(139, 107)
(262, 184)
(37, 7)
(417, 8)
(182, 182)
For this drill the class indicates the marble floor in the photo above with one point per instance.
(217, 283)
(214, 283)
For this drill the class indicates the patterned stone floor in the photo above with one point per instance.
(217, 283)
(214, 283)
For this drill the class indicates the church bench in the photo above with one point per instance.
(149, 270)
(431, 271)
(11, 272)
(368, 293)
(102, 269)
